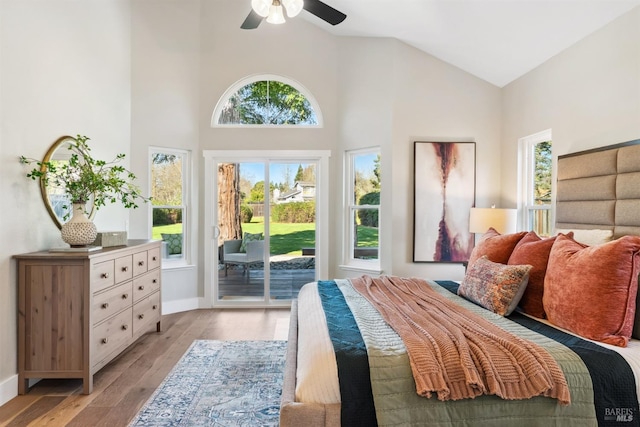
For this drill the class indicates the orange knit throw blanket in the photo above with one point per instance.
(457, 354)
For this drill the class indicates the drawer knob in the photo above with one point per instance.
(105, 340)
(125, 296)
(154, 258)
(141, 316)
(140, 263)
(141, 287)
(125, 327)
(105, 275)
(125, 268)
(154, 307)
(105, 305)
(155, 280)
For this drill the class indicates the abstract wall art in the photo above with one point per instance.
(444, 193)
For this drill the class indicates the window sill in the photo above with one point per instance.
(175, 264)
(373, 269)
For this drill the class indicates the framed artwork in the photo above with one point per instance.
(444, 192)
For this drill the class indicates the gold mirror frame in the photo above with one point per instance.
(58, 151)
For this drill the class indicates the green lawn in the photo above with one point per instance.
(290, 238)
(286, 238)
(167, 229)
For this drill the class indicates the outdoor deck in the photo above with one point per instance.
(285, 282)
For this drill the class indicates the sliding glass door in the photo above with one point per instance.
(264, 220)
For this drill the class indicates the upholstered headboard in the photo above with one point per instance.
(600, 189)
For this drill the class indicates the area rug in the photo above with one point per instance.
(220, 383)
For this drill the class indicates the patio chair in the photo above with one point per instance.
(231, 254)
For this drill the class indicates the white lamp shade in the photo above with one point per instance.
(275, 15)
(261, 7)
(504, 221)
(293, 7)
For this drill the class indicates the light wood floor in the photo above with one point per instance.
(124, 385)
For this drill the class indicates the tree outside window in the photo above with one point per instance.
(267, 102)
(168, 201)
(364, 204)
(535, 157)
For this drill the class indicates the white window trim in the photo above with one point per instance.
(262, 77)
(349, 262)
(185, 259)
(526, 164)
(213, 157)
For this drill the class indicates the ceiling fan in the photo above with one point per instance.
(272, 10)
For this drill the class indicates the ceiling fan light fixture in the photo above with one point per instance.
(261, 7)
(275, 13)
(293, 7)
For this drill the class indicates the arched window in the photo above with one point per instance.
(267, 100)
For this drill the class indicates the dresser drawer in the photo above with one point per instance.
(145, 312)
(110, 335)
(102, 275)
(140, 263)
(153, 258)
(124, 268)
(109, 302)
(144, 285)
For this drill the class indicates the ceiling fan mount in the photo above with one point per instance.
(272, 10)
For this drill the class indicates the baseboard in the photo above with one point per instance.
(8, 389)
(169, 307)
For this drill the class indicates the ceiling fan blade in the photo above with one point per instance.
(324, 11)
(252, 21)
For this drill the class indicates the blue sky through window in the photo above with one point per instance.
(255, 172)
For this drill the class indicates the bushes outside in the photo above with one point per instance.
(297, 212)
(369, 217)
(167, 216)
(246, 213)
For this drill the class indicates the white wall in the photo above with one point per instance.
(165, 48)
(366, 118)
(393, 95)
(437, 102)
(65, 69)
(588, 95)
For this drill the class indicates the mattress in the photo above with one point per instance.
(316, 379)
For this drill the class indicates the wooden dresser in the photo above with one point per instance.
(79, 310)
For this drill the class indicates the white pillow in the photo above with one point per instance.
(589, 237)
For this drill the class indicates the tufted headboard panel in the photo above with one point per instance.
(600, 189)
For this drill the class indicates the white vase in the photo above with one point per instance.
(79, 230)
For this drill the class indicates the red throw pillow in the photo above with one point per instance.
(591, 290)
(497, 247)
(533, 250)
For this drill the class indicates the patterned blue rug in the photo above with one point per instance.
(220, 383)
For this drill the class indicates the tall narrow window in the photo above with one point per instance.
(169, 206)
(266, 100)
(363, 201)
(536, 160)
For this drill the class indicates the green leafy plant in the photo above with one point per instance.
(84, 178)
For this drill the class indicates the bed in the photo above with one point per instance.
(577, 312)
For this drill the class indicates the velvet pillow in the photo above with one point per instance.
(496, 287)
(591, 290)
(533, 250)
(497, 247)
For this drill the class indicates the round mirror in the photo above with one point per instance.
(55, 199)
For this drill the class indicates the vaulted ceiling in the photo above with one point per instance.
(495, 40)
